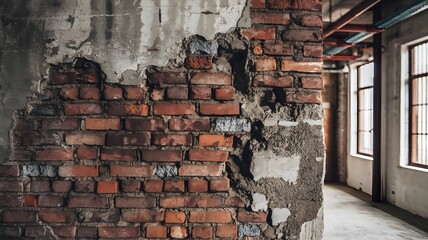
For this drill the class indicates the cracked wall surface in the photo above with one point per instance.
(217, 136)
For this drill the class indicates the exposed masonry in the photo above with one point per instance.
(228, 145)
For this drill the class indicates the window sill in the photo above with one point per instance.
(364, 157)
(414, 168)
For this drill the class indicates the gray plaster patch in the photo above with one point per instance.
(279, 215)
(266, 164)
(232, 125)
(163, 171)
(248, 230)
(260, 203)
(202, 46)
(39, 170)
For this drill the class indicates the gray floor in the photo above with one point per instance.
(347, 217)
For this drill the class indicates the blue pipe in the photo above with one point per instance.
(385, 23)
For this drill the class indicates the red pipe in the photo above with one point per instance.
(340, 58)
(357, 28)
(349, 16)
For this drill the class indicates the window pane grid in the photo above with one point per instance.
(365, 109)
(419, 105)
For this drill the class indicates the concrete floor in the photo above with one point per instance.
(347, 217)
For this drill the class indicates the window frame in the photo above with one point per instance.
(358, 89)
(412, 77)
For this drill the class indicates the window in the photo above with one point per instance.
(365, 109)
(419, 104)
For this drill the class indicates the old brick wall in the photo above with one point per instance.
(225, 143)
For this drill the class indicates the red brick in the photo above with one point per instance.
(219, 108)
(88, 202)
(273, 81)
(173, 186)
(35, 231)
(59, 124)
(189, 125)
(208, 155)
(135, 93)
(179, 93)
(302, 35)
(135, 202)
(175, 217)
(41, 138)
(29, 200)
(87, 153)
(118, 155)
(312, 82)
(210, 78)
(50, 201)
(312, 51)
(54, 155)
(158, 94)
(130, 186)
(8, 201)
(161, 155)
(259, 33)
(178, 232)
(200, 170)
(156, 232)
(83, 109)
(206, 201)
(172, 139)
(293, 66)
(174, 109)
(40, 186)
(85, 138)
(153, 186)
(62, 186)
(24, 125)
(202, 232)
(11, 186)
(128, 109)
(102, 124)
(62, 77)
(18, 216)
(281, 49)
(78, 171)
(210, 217)
(113, 93)
(207, 140)
(71, 93)
(290, 4)
(119, 232)
(84, 186)
(131, 171)
(312, 21)
(257, 49)
(143, 216)
(271, 18)
(258, 4)
(225, 94)
(245, 216)
(90, 93)
(226, 231)
(167, 78)
(9, 171)
(199, 62)
(174, 202)
(144, 125)
(92, 77)
(87, 232)
(196, 186)
(57, 216)
(219, 185)
(64, 231)
(303, 97)
(265, 64)
(200, 93)
(20, 155)
(127, 139)
(107, 187)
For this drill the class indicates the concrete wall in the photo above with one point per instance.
(405, 186)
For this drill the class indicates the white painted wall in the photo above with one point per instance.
(404, 186)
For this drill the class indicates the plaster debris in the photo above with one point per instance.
(201, 46)
(166, 171)
(248, 230)
(266, 164)
(285, 123)
(260, 203)
(232, 125)
(280, 215)
(39, 170)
